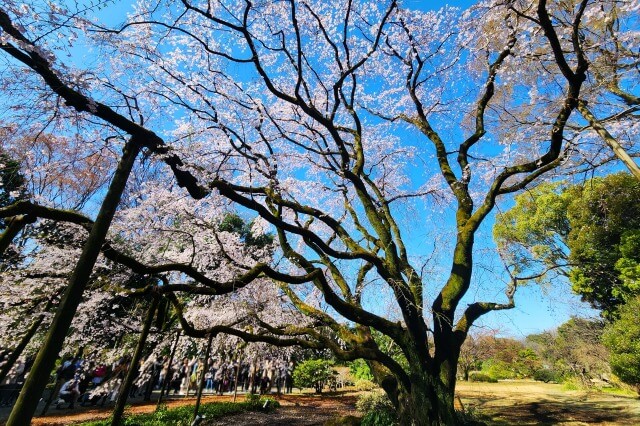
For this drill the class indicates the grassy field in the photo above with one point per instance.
(535, 403)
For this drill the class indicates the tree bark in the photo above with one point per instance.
(167, 380)
(27, 402)
(17, 351)
(427, 403)
(235, 390)
(617, 149)
(125, 387)
(202, 374)
(58, 384)
(14, 226)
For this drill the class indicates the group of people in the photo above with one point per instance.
(91, 381)
(12, 382)
(219, 376)
(18, 370)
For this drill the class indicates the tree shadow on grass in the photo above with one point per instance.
(552, 413)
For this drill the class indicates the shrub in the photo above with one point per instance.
(572, 383)
(373, 401)
(498, 369)
(365, 385)
(482, 377)
(344, 421)
(312, 373)
(377, 410)
(546, 375)
(379, 418)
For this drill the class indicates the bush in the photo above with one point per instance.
(258, 403)
(379, 418)
(546, 375)
(482, 377)
(373, 401)
(365, 385)
(498, 369)
(344, 421)
(377, 410)
(572, 383)
(312, 373)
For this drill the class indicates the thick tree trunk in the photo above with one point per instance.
(125, 387)
(427, 398)
(27, 402)
(428, 403)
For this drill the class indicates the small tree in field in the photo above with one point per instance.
(312, 373)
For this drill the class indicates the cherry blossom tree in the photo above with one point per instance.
(328, 120)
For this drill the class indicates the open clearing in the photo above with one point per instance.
(535, 403)
(504, 403)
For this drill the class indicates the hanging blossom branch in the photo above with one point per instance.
(212, 287)
(28, 53)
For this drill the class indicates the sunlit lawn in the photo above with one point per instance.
(532, 403)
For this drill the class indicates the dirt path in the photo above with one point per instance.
(303, 411)
(296, 410)
(82, 414)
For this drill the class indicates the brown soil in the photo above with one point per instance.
(296, 409)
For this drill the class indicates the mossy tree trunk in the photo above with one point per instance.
(427, 404)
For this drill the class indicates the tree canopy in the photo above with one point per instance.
(586, 232)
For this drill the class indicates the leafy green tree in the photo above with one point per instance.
(622, 337)
(313, 373)
(589, 233)
(526, 363)
(502, 358)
